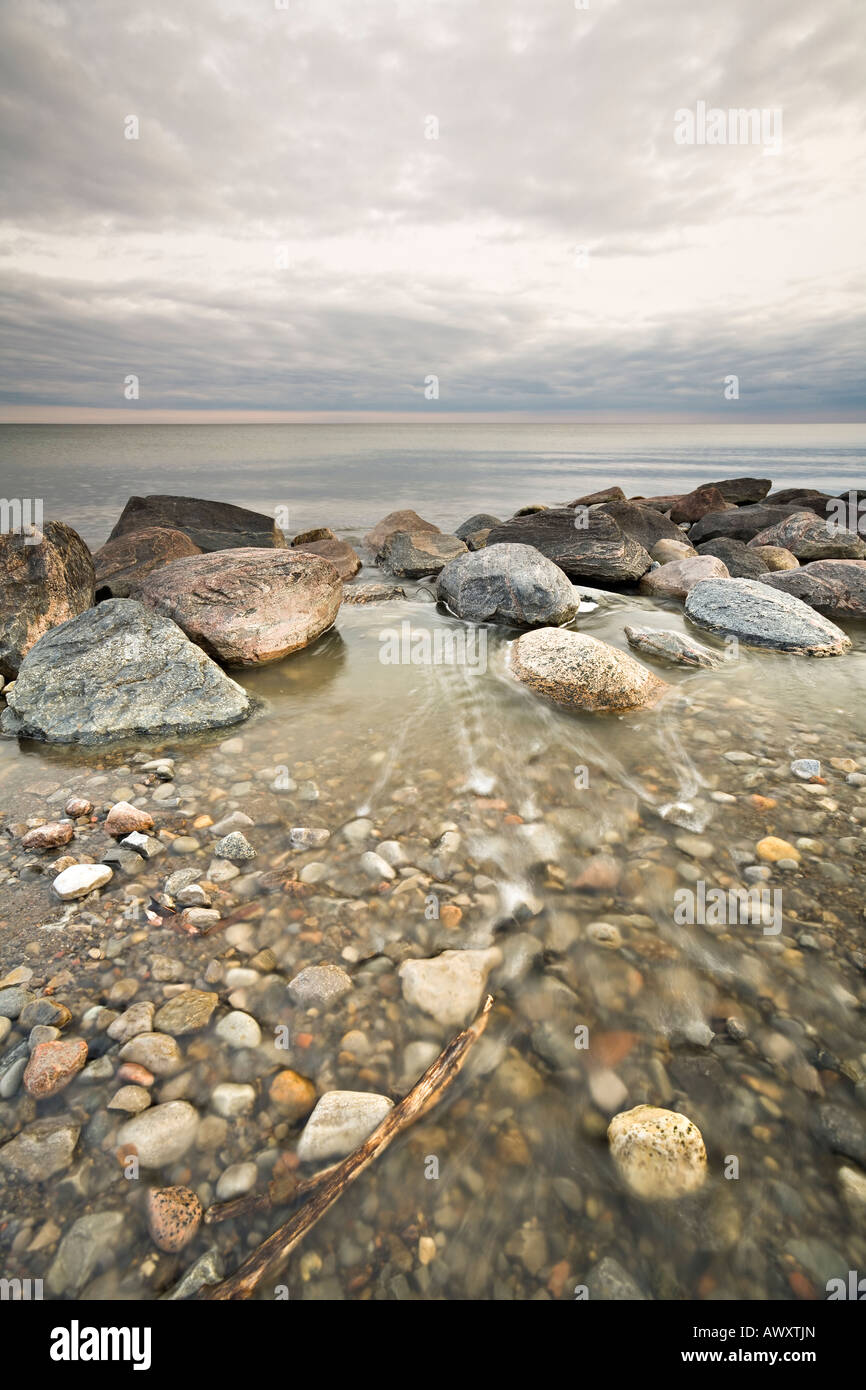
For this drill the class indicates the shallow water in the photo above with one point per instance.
(526, 1200)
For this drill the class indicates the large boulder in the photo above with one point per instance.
(121, 564)
(810, 538)
(248, 606)
(600, 549)
(414, 554)
(645, 525)
(406, 520)
(323, 542)
(119, 670)
(759, 616)
(743, 490)
(775, 557)
(737, 523)
(210, 525)
(508, 584)
(45, 579)
(738, 559)
(674, 580)
(836, 588)
(582, 672)
(607, 494)
(807, 498)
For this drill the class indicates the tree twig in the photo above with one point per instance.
(426, 1092)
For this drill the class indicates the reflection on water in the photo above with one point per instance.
(562, 839)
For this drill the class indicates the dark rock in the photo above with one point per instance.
(599, 550)
(125, 561)
(41, 585)
(843, 1131)
(115, 670)
(250, 606)
(608, 494)
(412, 554)
(836, 588)
(507, 584)
(743, 490)
(210, 525)
(807, 498)
(738, 559)
(669, 645)
(609, 1282)
(644, 524)
(741, 608)
(739, 524)
(481, 521)
(696, 504)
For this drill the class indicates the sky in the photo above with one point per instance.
(431, 208)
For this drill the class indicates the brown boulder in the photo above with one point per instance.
(41, 586)
(123, 819)
(396, 521)
(607, 494)
(322, 541)
(775, 557)
(248, 606)
(124, 562)
(676, 579)
(582, 672)
(210, 525)
(586, 544)
(49, 836)
(696, 504)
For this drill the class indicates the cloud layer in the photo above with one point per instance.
(284, 235)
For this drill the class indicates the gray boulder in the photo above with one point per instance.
(810, 538)
(507, 584)
(210, 525)
(836, 588)
(600, 549)
(668, 645)
(738, 523)
(738, 559)
(116, 670)
(759, 616)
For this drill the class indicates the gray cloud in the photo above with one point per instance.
(305, 128)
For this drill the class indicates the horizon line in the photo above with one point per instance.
(118, 415)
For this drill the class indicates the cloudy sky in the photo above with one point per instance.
(286, 235)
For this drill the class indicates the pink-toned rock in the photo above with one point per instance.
(52, 1066)
(49, 835)
(78, 806)
(396, 521)
(174, 1215)
(123, 563)
(41, 585)
(601, 875)
(322, 541)
(696, 504)
(247, 606)
(134, 1074)
(123, 819)
(676, 579)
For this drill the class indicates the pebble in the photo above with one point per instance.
(187, 1013)
(137, 1019)
(174, 1215)
(238, 1029)
(806, 768)
(123, 819)
(40, 1151)
(91, 1243)
(162, 1134)
(772, 849)
(158, 1052)
(236, 1181)
(52, 1066)
(231, 1099)
(341, 1121)
(375, 867)
(450, 986)
(319, 986)
(307, 837)
(80, 879)
(234, 846)
(660, 1154)
(293, 1095)
(133, 1099)
(49, 836)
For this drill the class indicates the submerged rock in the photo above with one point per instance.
(575, 669)
(507, 584)
(119, 669)
(757, 615)
(449, 987)
(372, 593)
(660, 1154)
(671, 646)
(123, 563)
(41, 1150)
(209, 525)
(341, 1121)
(586, 545)
(250, 606)
(41, 586)
(160, 1135)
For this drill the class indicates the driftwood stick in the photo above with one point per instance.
(281, 1192)
(426, 1092)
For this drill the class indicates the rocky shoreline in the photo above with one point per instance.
(226, 977)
